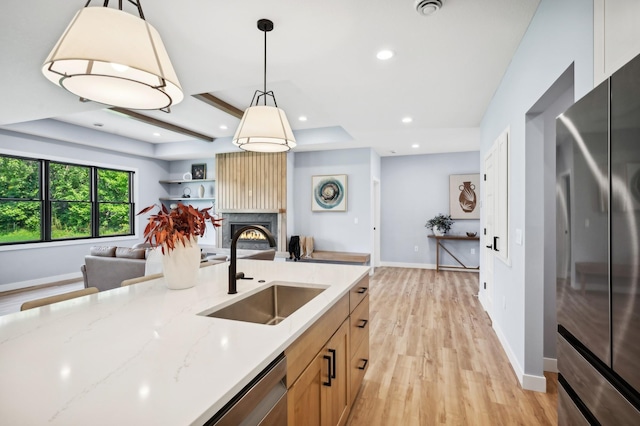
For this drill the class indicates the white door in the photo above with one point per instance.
(488, 206)
(375, 257)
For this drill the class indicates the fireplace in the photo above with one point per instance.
(250, 235)
(252, 240)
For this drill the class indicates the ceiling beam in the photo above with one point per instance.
(208, 98)
(163, 124)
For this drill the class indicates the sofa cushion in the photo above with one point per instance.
(103, 251)
(129, 253)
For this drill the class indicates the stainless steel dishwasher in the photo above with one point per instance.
(262, 402)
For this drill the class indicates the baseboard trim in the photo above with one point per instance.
(408, 265)
(550, 365)
(39, 282)
(527, 381)
(423, 266)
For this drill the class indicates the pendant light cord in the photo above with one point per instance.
(265, 67)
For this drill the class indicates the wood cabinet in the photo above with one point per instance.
(359, 346)
(326, 365)
(320, 396)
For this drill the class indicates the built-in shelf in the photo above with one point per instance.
(186, 199)
(179, 181)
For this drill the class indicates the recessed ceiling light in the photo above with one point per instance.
(383, 55)
(302, 118)
(407, 120)
(223, 127)
(156, 134)
(415, 145)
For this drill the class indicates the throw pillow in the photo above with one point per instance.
(129, 253)
(102, 251)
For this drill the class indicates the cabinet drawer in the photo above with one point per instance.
(601, 397)
(359, 365)
(306, 347)
(358, 292)
(359, 324)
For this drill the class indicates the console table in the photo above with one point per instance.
(440, 239)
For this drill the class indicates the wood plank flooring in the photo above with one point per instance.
(435, 359)
(11, 301)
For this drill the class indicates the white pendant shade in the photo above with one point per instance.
(264, 128)
(115, 58)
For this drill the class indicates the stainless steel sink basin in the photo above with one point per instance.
(268, 306)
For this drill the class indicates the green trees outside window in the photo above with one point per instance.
(20, 200)
(113, 202)
(70, 195)
(42, 200)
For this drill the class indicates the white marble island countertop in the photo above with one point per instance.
(142, 354)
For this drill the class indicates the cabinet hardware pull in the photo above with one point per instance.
(363, 324)
(328, 358)
(489, 247)
(362, 290)
(495, 243)
(366, 361)
(333, 357)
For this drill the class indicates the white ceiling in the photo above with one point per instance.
(321, 64)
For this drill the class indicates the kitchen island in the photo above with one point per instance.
(142, 355)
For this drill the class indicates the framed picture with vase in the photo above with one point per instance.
(464, 196)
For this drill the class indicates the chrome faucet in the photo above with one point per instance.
(232, 264)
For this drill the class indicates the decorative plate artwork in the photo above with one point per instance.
(329, 193)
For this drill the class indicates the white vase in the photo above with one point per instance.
(181, 265)
(437, 231)
(201, 191)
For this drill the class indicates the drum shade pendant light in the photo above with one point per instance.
(115, 58)
(264, 128)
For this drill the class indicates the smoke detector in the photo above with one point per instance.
(428, 7)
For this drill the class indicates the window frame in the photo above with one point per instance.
(45, 201)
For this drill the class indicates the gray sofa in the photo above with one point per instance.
(106, 267)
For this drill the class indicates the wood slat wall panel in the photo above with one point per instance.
(252, 181)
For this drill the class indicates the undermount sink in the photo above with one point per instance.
(268, 306)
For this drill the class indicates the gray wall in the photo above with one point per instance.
(540, 221)
(414, 189)
(33, 264)
(338, 231)
(561, 33)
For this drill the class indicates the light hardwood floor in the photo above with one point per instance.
(11, 301)
(436, 360)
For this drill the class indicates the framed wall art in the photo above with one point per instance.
(329, 193)
(464, 196)
(199, 171)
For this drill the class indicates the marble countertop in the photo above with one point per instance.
(142, 355)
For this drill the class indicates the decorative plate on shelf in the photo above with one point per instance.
(187, 176)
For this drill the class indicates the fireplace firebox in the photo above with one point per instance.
(252, 240)
(250, 235)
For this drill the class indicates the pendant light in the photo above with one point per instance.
(264, 128)
(115, 58)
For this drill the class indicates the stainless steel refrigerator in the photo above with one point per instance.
(598, 246)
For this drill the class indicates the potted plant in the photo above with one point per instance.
(176, 232)
(440, 224)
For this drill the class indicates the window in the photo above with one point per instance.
(114, 206)
(20, 200)
(70, 201)
(43, 200)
